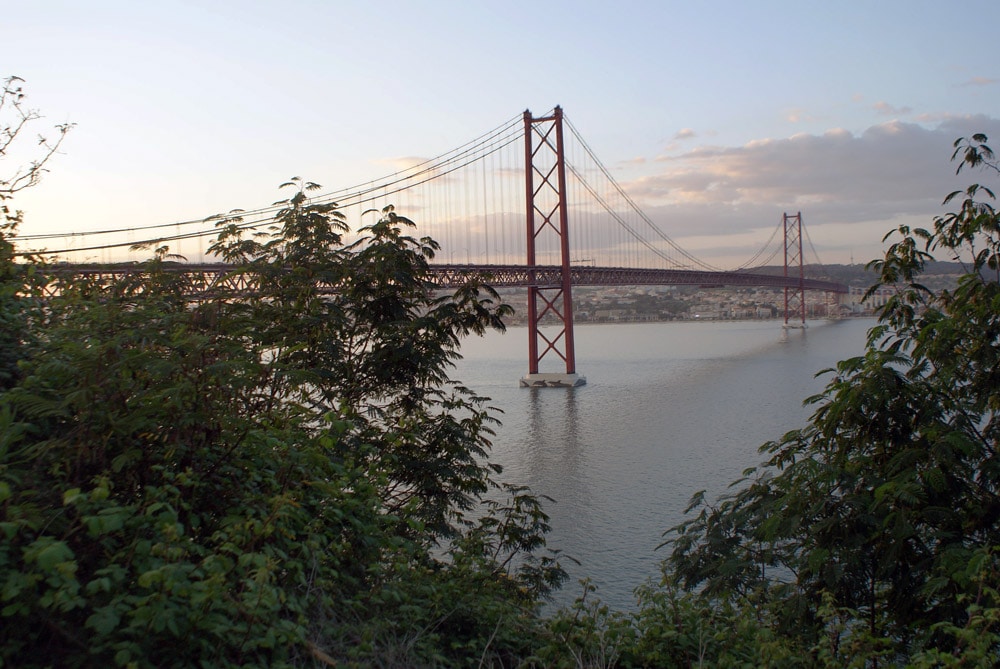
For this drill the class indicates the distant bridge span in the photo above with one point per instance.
(206, 278)
(582, 275)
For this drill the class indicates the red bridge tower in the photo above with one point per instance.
(795, 297)
(548, 231)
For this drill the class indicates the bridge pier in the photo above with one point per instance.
(552, 380)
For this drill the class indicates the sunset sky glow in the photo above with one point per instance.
(716, 117)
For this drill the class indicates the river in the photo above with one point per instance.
(669, 409)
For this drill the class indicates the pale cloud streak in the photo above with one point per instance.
(400, 163)
(799, 115)
(980, 81)
(885, 109)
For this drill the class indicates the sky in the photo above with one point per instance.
(716, 117)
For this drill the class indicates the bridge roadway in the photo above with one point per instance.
(582, 275)
(206, 278)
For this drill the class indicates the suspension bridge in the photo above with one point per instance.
(526, 205)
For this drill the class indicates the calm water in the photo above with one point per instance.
(669, 409)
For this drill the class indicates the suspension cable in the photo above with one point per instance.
(656, 230)
(493, 140)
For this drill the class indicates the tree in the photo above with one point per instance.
(15, 119)
(267, 477)
(362, 328)
(866, 534)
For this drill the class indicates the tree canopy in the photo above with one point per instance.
(273, 477)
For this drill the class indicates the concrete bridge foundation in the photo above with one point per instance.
(552, 380)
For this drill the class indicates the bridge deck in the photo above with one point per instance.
(520, 275)
(212, 276)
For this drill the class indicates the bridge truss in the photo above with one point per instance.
(208, 280)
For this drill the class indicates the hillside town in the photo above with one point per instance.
(616, 304)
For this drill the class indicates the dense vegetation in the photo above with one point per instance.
(287, 476)
(248, 480)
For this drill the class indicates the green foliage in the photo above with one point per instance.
(480, 610)
(974, 644)
(15, 280)
(277, 476)
(12, 318)
(361, 328)
(860, 535)
(587, 634)
(671, 628)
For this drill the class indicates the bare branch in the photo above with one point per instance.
(14, 118)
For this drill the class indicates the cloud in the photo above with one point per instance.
(859, 182)
(937, 117)
(885, 109)
(799, 115)
(980, 81)
(685, 133)
(401, 163)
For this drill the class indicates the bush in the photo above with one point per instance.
(273, 477)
